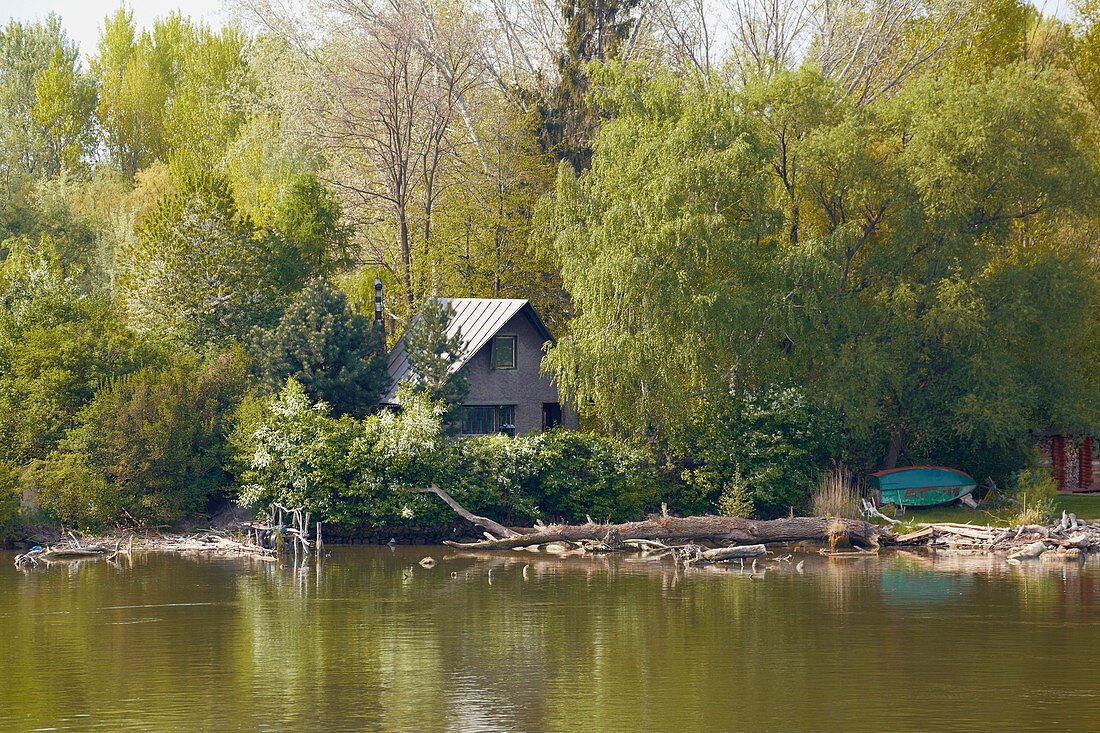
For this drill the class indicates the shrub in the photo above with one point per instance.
(159, 435)
(585, 473)
(9, 500)
(1033, 492)
(67, 486)
(735, 498)
(367, 472)
(493, 475)
(344, 470)
(776, 441)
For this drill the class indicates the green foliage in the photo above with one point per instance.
(433, 348)
(910, 259)
(169, 95)
(560, 475)
(198, 273)
(664, 247)
(10, 496)
(71, 489)
(56, 347)
(343, 470)
(735, 498)
(159, 436)
(583, 474)
(567, 117)
(366, 472)
(763, 451)
(332, 351)
(311, 241)
(1032, 491)
(47, 102)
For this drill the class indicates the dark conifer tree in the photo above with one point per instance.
(328, 347)
(432, 352)
(567, 121)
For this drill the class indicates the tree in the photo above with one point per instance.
(332, 351)
(197, 272)
(594, 32)
(310, 240)
(914, 280)
(132, 97)
(46, 101)
(668, 249)
(434, 347)
(170, 94)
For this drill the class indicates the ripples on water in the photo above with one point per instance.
(901, 642)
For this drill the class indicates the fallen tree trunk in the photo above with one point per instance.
(696, 529)
(737, 551)
(487, 524)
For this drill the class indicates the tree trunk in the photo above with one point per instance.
(897, 440)
(697, 529)
(486, 524)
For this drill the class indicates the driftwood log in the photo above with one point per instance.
(695, 529)
(663, 529)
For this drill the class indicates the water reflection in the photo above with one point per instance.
(369, 640)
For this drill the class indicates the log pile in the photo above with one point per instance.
(1068, 539)
(109, 548)
(739, 538)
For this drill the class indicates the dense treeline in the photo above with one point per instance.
(767, 237)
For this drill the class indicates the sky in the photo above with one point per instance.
(83, 19)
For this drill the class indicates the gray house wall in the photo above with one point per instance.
(523, 386)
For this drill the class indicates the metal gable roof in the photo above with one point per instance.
(479, 319)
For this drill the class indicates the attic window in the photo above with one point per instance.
(503, 353)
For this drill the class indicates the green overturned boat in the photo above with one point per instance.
(921, 485)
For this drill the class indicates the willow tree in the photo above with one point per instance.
(668, 246)
(899, 258)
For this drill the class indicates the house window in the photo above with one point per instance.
(480, 420)
(551, 415)
(487, 419)
(506, 419)
(503, 352)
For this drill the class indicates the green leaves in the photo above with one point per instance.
(895, 258)
(432, 352)
(334, 353)
(366, 472)
(197, 273)
(667, 247)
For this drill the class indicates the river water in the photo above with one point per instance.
(370, 641)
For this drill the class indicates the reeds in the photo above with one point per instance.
(837, 494)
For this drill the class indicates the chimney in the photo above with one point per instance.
(378, 304)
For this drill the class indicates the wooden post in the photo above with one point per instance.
(1086, 464)
(317, 542)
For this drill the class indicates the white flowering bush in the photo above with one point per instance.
(343, 470)
(357, 472)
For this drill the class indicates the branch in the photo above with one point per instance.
(498, 529)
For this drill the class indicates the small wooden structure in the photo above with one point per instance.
(1072, 459)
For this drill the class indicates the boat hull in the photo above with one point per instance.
(921, 485)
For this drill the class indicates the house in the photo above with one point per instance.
(504, 341)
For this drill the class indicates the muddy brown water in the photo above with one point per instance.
(370, 641)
